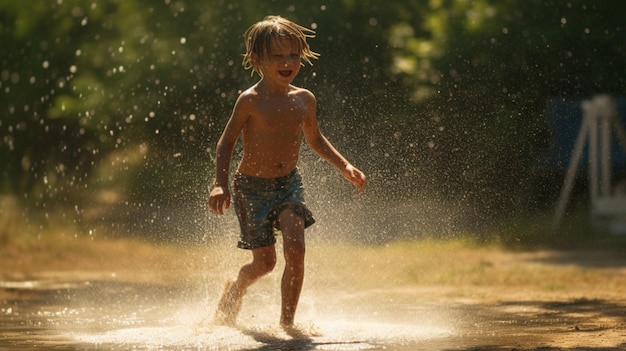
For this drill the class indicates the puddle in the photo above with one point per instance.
(103, 315)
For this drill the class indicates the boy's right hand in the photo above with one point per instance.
(219, 199)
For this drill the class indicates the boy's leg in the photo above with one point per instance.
(292, 227)
(263, 262)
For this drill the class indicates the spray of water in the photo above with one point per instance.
(340, 309)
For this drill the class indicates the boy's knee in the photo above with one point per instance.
(264, 260)
(266, 264)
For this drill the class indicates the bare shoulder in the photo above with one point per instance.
(246, 104)
(248, 96)
(304, 94)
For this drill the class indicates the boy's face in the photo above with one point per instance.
(282, 62)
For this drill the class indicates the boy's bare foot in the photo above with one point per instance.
(229, 306)
(301, 332)
(293, 331)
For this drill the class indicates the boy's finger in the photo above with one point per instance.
(360, 186)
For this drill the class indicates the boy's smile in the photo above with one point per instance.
(285, 73)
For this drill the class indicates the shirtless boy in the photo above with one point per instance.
(272, 116)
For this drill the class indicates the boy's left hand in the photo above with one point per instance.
(219, 199)
(355, 176)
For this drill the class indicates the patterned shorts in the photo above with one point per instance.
(258, 203)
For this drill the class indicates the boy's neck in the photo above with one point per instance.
(272, 88)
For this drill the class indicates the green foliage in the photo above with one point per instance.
(485, 70)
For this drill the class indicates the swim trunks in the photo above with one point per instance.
(258, 203)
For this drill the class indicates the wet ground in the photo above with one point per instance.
(411, 296)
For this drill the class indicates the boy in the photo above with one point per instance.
(272, 116)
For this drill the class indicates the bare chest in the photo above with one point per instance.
(279, 116)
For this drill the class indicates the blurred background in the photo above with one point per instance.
(462, 113)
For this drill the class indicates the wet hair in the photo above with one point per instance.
(258, 39)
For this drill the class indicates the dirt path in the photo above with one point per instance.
(403, 296)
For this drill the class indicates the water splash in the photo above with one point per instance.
(187, 330)
(136, 310)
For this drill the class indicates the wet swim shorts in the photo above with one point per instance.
(259, 201)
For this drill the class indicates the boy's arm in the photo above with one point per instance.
(318, 143)
(219, 199)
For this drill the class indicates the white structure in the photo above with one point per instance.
(608, 201)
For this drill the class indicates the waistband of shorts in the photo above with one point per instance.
(266, 181)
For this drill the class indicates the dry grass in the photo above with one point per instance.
(456, 263)
(464, 269)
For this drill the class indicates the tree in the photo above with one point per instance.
(486, 69)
